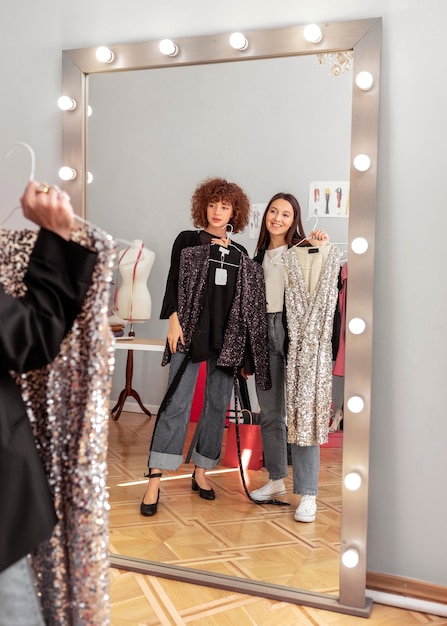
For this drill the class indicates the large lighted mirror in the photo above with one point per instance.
(269, 118)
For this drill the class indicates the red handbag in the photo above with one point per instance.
(250, 444)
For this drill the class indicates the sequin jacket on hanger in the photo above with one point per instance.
(67, 405)
(247, 323)
(309, 361)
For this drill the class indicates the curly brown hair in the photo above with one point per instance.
(220, 190)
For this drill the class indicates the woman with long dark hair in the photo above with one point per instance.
(282, 228)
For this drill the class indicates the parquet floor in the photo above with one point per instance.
(229, 535)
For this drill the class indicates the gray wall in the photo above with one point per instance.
(407, 508)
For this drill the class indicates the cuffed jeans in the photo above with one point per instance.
(306, 467)
(19, 604)
(305, 459)
(171, 427)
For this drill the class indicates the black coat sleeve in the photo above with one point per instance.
(57, 279)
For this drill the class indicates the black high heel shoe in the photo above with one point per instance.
(206, 494)
(150, 509)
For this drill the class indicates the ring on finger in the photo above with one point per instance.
(42, 188)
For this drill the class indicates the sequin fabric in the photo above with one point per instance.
(67, 404)
(309, 360)
(247, 322)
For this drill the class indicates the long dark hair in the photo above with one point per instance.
(295, 234)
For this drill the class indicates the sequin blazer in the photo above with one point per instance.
(31, 330)
(247, 324)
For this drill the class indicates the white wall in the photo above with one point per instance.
(407, 513)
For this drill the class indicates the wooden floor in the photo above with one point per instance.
(230, 535)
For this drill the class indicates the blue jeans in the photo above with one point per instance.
(171, 427)
(305, 460)
(272, 403)
(19, 604)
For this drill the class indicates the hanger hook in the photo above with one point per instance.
(229, 226)
(316, 222)
(32, 155)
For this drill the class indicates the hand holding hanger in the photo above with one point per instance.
(224, 241)
(48, 207)
(318, 238)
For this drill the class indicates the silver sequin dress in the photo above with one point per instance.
(67, 403)
(309, 362)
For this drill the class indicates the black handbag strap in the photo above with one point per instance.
(239, 456)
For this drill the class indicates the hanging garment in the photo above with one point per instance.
(67, 404)
(311, 295)
(339, 365)
(246, 328)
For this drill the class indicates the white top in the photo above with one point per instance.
(133, 302)
(275, 276)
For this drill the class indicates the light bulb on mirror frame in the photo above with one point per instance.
(89, 178)
(359, 245)
(350, 558)
(89, 110)
(67, 173)
(238, 41)
(353, 481)
(364, 80)
(362, 162)
(65, 103)
(355, 404)
(312, 33)
(168, 47)
(357, 326)
(104, 54)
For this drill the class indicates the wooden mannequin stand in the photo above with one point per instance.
(128, 391)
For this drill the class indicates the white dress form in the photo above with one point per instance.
(133, 302)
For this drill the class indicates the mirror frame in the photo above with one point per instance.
(363, 37)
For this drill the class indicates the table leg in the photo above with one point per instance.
(128, 391)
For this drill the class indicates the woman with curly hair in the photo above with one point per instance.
(215, 303)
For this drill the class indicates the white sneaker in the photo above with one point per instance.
(307, 509)
(270, 489)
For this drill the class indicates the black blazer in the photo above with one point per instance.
(31, 330)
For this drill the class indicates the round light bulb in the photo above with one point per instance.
(364, 80)
(357, 326)
(89, 178)
(168, 47)
(359, 245)
(362, 162)
(355, 404)
(312, 33)
(104, 55)
(65, 103)
(238, 41)
(67, 173)
(350, 558)
(89, 110)
(353, 481)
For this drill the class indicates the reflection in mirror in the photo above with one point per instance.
(363, 37)
(273, 125)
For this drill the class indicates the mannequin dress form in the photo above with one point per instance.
(133, 304)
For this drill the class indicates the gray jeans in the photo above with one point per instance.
(171, 427)
(19, 604)
(305, 460)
